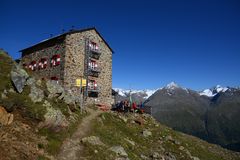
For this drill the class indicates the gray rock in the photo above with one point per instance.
(146, 133)
(11, 90)
(181, 148)
(47, 104)
(54, 119)
(19, 77)
(3, 96)
(93, 140)
(54, 89)
(119, 150)
(36, 94)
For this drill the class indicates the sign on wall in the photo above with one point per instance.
(78, 82)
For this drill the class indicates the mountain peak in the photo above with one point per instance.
(172, 85)
(213, 91)
(219, 88)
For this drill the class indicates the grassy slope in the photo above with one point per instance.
(115, 130)
(22, 104)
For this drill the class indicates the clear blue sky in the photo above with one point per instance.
(195, 43)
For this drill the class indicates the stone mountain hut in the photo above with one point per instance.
(71, 57)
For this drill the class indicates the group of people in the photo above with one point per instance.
(127, 106)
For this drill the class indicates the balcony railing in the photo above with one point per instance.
(93, 89)
(95, 53)
(95, 69)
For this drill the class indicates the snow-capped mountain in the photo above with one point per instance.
(213, 91)
(212, 114)
(145, 93)
(170, 89)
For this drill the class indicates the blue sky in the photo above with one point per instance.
(195, 43)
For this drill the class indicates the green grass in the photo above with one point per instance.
(6, 64)
(55, 139)
(114, 131)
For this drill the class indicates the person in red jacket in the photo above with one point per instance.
(134, 106)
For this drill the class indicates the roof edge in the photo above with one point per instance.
(67, 33)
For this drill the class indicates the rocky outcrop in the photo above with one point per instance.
(19, 77)
(54, 119)
(36, 94)
(54, 89)
(5, 117)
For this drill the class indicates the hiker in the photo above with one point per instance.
(126, 106)
(134, 107)
(121, 106)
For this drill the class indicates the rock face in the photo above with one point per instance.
(71, 50)
(5, 117)
(19, 77)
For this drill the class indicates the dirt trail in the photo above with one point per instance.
(72, 146)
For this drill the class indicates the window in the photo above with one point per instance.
(93, 46)
(92, 85)
(55, 60)
(42, 64)
(93, 65)
(54, 79)
(32, 66)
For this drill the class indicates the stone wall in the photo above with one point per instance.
(74, 65)
(47, 52)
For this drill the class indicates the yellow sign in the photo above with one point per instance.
(78, 82)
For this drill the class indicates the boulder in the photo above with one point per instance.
(19, 77)
(54, 119)
(119, 150)
(93, 140)
(146, 133)
(54, 89)
(36, 94)
(5, 117)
